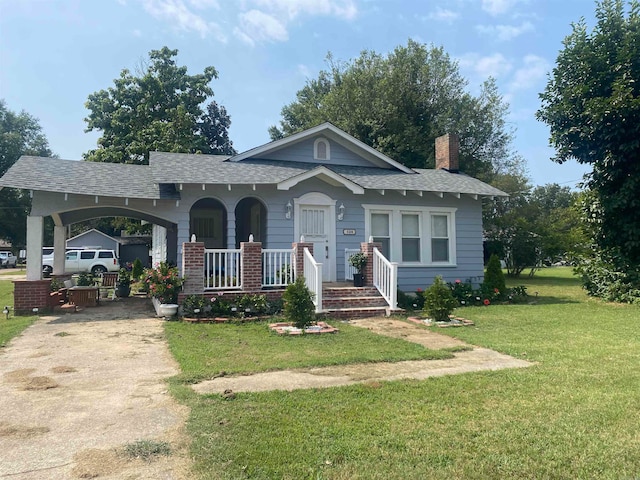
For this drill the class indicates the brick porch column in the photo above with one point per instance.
(298, 255)
(30, 294)
(367, 249)
(193, 267)
(251, 266)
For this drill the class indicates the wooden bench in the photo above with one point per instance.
(83, 296)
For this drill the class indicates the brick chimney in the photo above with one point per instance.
(447, 152)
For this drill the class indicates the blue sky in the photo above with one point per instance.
(53, 54)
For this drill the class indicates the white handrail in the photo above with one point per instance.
(277, 267)
(222, 269)
(313, 278)
(385, 278)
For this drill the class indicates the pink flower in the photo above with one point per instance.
(458, 281)
(486, 301)
(419, 290)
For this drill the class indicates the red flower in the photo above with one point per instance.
(419, 290)
(486, 301)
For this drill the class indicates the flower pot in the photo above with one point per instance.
(123, 291)
(358, 280)
(164, 309)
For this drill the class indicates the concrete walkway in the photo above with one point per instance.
(74, 389)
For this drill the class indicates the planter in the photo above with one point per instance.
(358, 280)
(164, 309)
(123, 291)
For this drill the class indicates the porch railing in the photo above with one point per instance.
(385, 278)
(313, 278)
(349, 270)
(222, 269)
(277, 267)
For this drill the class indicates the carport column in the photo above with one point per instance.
(298, 256)
(367, 249)
(193, 267)
(34, 247)
(59, 250)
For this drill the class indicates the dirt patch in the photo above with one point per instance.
(20, 431)
(40, 383)
(468, 360)
(111, 368)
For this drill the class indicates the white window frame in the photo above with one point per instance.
(315, 149)
(424, 215)
(419, 237)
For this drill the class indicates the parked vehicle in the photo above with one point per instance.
(8, 259)
(89, 260)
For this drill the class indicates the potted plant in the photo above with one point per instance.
(123, 285)
(359, 262)
(164, 284)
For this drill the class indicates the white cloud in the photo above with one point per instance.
(535, 68)
(260, 26)
(495, 65)
(498, 7)
(204, 4)
(505, 32)
(178, 14)
(345, 9)
(443, 15)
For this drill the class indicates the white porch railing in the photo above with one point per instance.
(313, 278)
(385, 278)
(277, 267)
(349, 270)
(222, 269)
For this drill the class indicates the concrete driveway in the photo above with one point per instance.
(76, 388)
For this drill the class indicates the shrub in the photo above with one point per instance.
(137, 270)
(439, 301)
(601, 278)
(464, 292)
(164, 282)
(84, 280)
(252, 304)
(195, 306)
(518, 294)
(358, 261)
(494, 283)
(298, 303)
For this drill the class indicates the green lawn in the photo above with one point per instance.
(576, 414)
(15, 325)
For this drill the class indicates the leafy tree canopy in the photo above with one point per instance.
(20, 134)
(401, 102)
(159, 109)
(592, 106)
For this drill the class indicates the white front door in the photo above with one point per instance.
(315, 218)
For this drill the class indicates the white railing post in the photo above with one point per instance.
(222, 269)
(277, 267)
(313, 278)
(385, 278)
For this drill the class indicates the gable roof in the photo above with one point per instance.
(93, 230)
(332, 132)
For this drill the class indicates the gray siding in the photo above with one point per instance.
(303, 152)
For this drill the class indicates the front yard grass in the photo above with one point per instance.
(573, 415)
(15, 325)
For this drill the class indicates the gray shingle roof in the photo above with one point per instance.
(85, 178)
(157, 180)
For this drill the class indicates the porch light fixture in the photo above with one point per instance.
(288, 209)
(341, 212)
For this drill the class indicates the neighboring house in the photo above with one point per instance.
(94, 239)
(321, 184)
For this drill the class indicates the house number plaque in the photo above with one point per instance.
(349, 231)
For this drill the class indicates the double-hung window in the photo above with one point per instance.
(415, 236)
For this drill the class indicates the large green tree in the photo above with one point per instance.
(400, 102)
(160, 108)
(20, 134)
(592, 106)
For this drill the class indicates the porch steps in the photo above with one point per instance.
(353, 302)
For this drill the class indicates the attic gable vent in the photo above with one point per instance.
(321, 149)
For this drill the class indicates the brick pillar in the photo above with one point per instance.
(367, 249)
(251, 266)
(193, 267)
(30, 294)
(298, 255)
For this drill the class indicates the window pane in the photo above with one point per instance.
(410, 226)
(439, 250)
(439, 226)
(72, 255)
(380, 224)
(386, 245)
(87, 255)
(410, 249)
